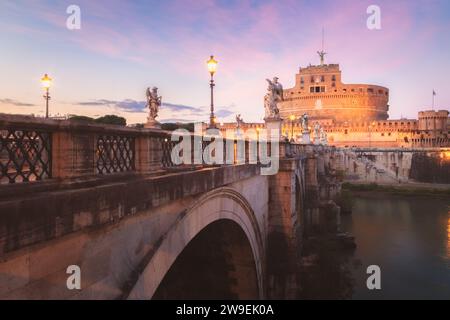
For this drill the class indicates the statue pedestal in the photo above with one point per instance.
(306, 139)
(273, 126)
(152, 124)
(317, 140)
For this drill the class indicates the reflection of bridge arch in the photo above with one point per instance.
(222, 209)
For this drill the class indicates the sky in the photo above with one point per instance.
(123, 47)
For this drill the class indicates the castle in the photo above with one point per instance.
(352, 115)
(320, 93)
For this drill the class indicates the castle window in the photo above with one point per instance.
(317, 89)
(312, 79)
(322, 89)
(322, 78)
(370, 90)
(311, 89)
(333, 78)
(333, 85)
(353, 90)
(380, 91)
(345, 90)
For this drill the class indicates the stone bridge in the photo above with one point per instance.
(110, 200)
(394, 165)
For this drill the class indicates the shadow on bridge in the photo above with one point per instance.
(217, 264)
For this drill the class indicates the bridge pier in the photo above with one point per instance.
(284, 230)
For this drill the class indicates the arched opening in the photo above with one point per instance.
(217, 263)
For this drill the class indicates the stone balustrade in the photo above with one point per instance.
(35, 149)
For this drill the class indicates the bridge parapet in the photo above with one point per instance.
(35, 149)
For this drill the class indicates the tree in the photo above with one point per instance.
(81, 118)
(173, 126)
(112, 119)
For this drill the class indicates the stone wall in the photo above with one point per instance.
(430, 167)
(111, 230)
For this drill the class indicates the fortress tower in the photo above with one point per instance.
(320, 93)
(433, 120)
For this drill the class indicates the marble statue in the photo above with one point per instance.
(239, 121)
(323, 137)
(316, 130)
(153, 103)
(305, 122)
(271, 99)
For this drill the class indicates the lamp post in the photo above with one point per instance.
(212, 66)
(46, 83)
(292, 118)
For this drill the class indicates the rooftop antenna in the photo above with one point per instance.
(322, 53)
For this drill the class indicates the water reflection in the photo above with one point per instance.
(409, 238)
(448, 236)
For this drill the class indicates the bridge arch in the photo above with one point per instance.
(220, 208)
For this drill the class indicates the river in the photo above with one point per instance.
(408, 238)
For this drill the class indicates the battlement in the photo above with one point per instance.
(434, 114)
(320, 68)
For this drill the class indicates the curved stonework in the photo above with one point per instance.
(220, 204)
(320, 93)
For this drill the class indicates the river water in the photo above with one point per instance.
(408, 238)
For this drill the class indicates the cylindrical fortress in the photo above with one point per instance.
(319, 92)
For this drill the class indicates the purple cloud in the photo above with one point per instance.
(16, 103)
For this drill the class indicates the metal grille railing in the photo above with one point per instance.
(25, 155)
(115, 153)
(167, 146)
(230, 152)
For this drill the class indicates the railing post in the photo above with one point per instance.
(72, 154)
(148, 150)
(142, 153)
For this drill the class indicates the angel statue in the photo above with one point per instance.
(305, 122)
(323, 137)
(273, 96)
(153, 104)
(316, 131)
(239, 121)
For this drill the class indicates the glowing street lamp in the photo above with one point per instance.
(212, 67)
(46, 84)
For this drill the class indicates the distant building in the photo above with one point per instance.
(320, 93)
(353, 114)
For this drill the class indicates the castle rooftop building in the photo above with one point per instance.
(320, 92)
